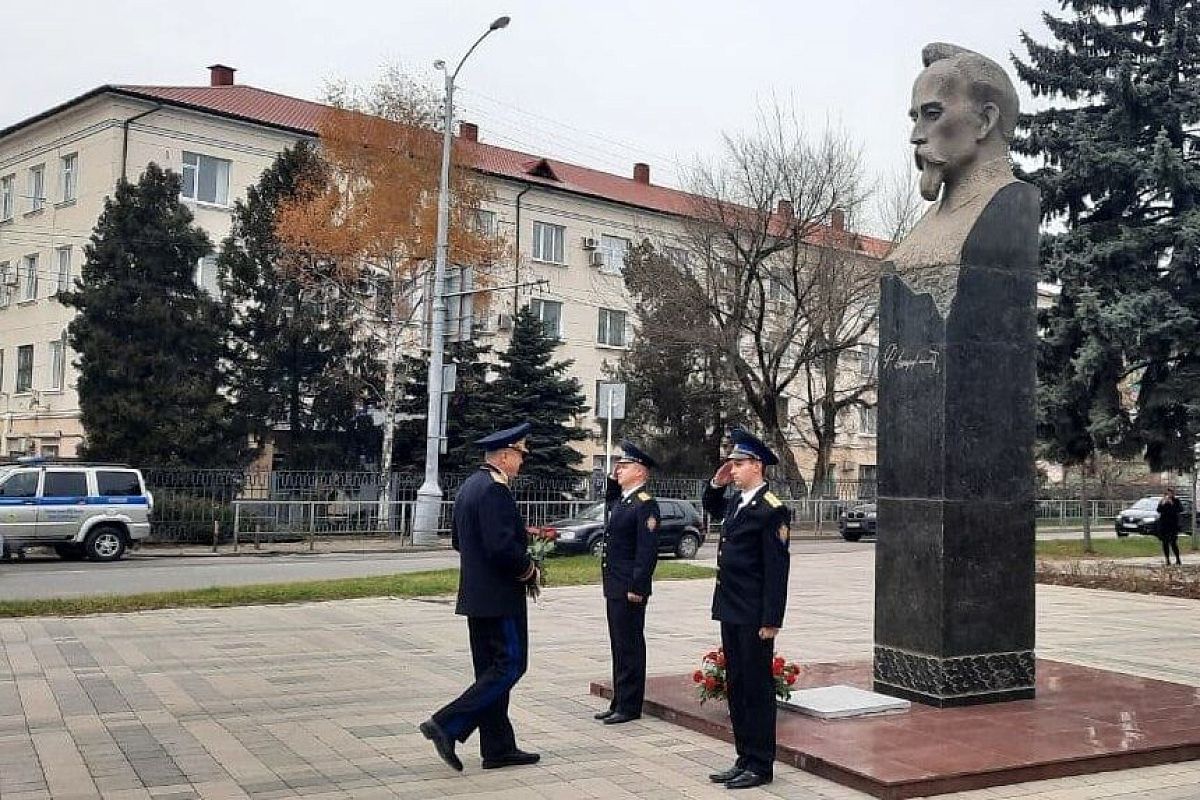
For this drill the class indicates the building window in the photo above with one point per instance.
(57, 365)
(64, 270)
(612, 328)
(206, 179)
(37, 187)
(28, 277)
(485, 222)
(7, 195)
(550, 313)
(24, 368)
(679, 258)
(548, 242)
(868, 363)
(5, 286)
(51, 451)
(206, 275)
(1, 370)
(70, 176)
(614, 249)
(867, 421)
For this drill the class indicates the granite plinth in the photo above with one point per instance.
(1081, 721)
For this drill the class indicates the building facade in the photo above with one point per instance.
(568, 227)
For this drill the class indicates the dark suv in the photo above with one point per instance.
(857, 522)
(679, 531)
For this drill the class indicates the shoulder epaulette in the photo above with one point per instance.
(772, 500)
(644, 496)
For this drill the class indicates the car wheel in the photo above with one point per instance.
(597, 548)
(69, 552)
(688, 546)
(105, 543)
(851, 537)
(1122, 534)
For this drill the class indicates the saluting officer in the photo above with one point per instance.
(629, 556)
(749, 601)
(495, 572)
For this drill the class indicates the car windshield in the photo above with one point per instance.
(1147, 504)
(593, 513)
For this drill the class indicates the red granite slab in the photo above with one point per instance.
(1083, 720)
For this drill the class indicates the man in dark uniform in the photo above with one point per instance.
(749, 601)
(629, 556)
(494, 576)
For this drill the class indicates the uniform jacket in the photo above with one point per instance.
(631, 543)
(752, 559)
(489, 535)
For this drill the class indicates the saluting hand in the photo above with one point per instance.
(724, 474)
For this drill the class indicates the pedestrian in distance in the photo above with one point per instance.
(495, 576)
(627, 562)
(1167, 527)
(749, 601)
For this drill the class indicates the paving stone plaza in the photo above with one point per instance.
(323, 700)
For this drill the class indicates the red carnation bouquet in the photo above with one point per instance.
(711, 682)
(541, 544)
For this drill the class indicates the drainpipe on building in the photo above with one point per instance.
(125, 136)
(517, 255)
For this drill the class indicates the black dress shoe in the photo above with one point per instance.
(608, 712)
(442, 743)
(516, 758)
(748, 780)
(727, 775)
(618, 717)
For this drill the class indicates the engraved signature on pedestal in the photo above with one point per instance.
(896, 358)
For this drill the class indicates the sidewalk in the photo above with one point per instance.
(323, 700)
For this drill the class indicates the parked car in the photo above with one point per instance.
(94, 511)
(680, 531)
(1142, 517)
(857, 522)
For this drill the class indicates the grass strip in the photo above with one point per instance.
(1131, 547)
(568, 571)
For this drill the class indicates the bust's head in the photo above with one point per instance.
(964, 112)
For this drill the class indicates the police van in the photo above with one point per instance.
(93, 511)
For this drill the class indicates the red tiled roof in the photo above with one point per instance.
(302, 116)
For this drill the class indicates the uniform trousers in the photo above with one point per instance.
(500, 652)
(751, 689)
(627, 639)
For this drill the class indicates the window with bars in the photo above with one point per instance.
(611, 330)
(548, 242)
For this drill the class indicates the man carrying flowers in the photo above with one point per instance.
(495, 574)
(629, 556)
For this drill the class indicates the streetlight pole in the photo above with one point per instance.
(429, 496)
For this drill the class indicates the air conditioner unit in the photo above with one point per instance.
(504, 322)
(596, 259)
(590, 243)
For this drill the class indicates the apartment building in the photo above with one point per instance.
(569, 227)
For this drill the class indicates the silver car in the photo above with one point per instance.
(94, 511)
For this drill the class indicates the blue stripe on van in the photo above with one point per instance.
(120, 500)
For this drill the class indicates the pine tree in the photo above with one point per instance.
(1120, 169)
(296, 356)
(535, 388)
(149, 340)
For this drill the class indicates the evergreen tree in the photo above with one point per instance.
(534, 387)
(149, 340)
(1119, 168)
(298, 357)
(472, 410)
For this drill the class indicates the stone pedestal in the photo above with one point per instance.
(954, 589)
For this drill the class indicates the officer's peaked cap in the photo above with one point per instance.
(505, 438)
(632, 454)
(747, 445)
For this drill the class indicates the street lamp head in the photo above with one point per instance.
(501, 22)
(439, 65)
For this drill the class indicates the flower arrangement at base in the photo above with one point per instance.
(541, 544)
(711, 682)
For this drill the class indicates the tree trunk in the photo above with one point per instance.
(390, 390)
(1084, 469)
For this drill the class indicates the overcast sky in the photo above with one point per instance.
(602, 83)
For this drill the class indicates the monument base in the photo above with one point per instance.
(939, 701)
(1082, 721)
